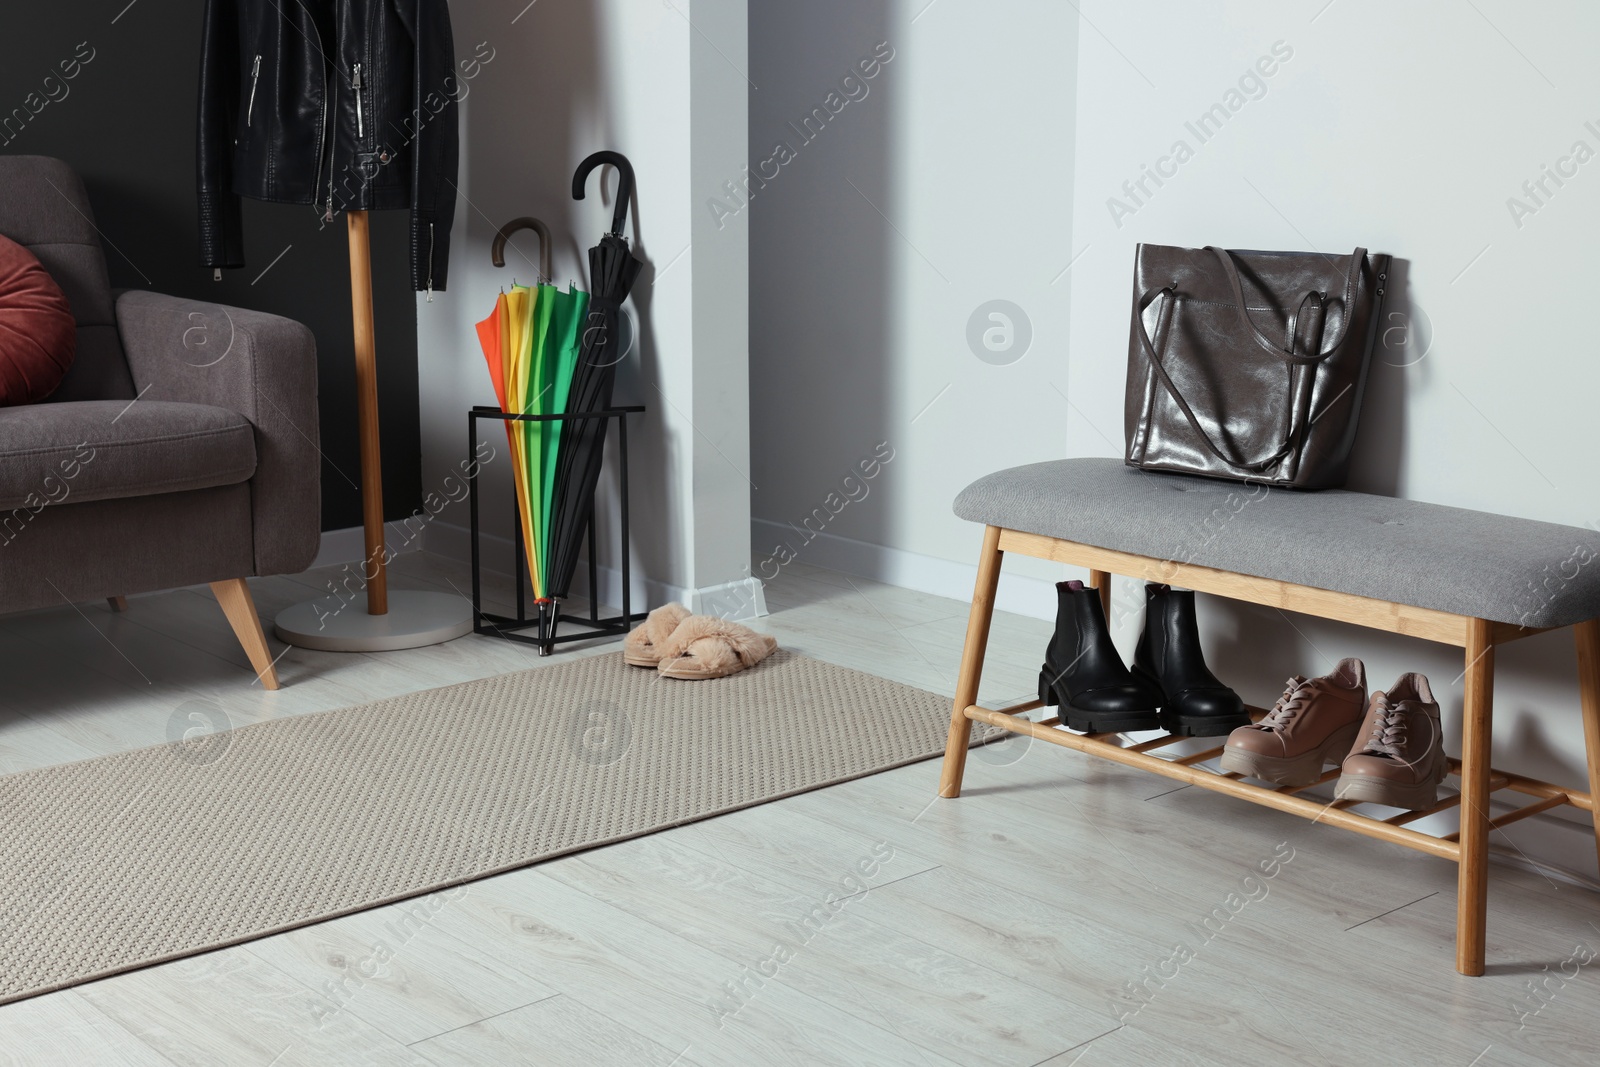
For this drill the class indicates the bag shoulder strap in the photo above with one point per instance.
(1183, 405)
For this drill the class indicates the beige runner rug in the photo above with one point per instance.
(127, 860)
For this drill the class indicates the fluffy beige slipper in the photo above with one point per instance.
(707, 647)
(640, 647)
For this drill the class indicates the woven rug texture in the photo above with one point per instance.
(126, 860)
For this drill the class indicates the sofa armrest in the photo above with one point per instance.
(265, 368)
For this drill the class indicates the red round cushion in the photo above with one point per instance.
(38, 337)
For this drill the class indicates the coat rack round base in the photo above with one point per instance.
(342, 624)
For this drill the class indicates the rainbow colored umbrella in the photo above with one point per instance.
(530, 344)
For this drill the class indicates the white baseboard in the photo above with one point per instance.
(349, 545)
(1513, 857)
(341, 546)
(1021, 595)
(742, 599)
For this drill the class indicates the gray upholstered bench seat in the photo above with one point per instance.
(1472, 563)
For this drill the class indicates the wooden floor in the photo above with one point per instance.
(1063, 911)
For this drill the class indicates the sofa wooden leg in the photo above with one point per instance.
(1589, 691)
(240, 608)
(1472, 881)
(118, 604)
(955, 749)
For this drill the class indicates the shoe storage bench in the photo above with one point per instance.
(1462, 578)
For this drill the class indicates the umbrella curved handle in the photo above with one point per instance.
(624, 183)
(497, 251)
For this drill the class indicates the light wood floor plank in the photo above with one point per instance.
(815, 940)
(1128, 1046)
(64, 1030)
(559, 1032)
(665, 986)
(394, 969)
(773, 842)
(1026, 931)
(229, 1007)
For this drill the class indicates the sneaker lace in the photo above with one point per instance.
(1294, 700)
(1388, 729)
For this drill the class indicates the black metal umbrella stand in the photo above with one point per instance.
(547, 617)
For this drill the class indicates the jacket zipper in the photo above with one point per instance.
(356, 82)
(430, 263)
(322, 131)
(255, 77)
(333, 147)
(330, 122)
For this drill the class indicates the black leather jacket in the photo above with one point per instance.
(340, 104)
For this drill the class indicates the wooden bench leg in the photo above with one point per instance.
(240, 608)
(1101, 580)
(955, 749)
(1472, 894)
(1588, 634)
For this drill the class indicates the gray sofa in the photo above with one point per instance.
(180, 449)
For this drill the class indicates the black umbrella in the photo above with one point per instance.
(612, 272)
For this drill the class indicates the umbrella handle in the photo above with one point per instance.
(624, 183)
(497, 251)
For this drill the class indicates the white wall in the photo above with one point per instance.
(661, 83)
(988, 149)
(1404, 128)
(943, 187)
(720, 260)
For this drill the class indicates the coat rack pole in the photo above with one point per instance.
(410, 618)
(367, 411)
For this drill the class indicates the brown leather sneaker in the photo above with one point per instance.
(1313, 723)
(1399, 758)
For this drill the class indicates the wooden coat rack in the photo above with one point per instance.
(402, 618)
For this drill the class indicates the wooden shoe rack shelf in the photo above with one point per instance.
(1477, 638)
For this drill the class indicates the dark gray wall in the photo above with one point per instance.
(126, 122)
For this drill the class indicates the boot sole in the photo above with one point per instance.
(1293, 770)
(1202, 726)
(1096, 722)
(1367, 790)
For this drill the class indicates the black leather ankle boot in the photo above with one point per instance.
(1085, 677)
(1194, 703)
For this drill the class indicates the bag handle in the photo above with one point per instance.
(1183, 405)
(1286, 353)
(1230, 270)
